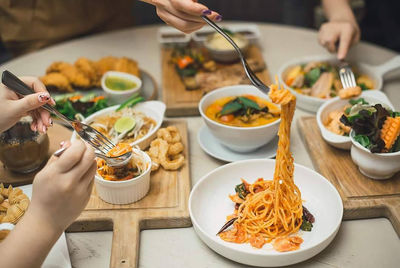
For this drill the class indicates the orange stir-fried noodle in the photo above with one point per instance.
(272, 208)
(134, 168)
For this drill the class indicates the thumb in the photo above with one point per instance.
(31, 102)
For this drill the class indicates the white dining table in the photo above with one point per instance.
(359, 243)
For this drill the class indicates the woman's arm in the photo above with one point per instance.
(61, 191)
(341, 29)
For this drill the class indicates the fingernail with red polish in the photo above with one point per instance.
(207, 12)
(34, 128)
(44, 129)
(43, 97)
(62, 143)
(218, 18)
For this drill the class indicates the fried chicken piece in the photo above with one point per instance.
(350, 92)
(74, 76)
(105, 64)
(127, 65)
(88, 68)
(56, 81)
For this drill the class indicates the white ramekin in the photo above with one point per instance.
(125, 192)
(120, 96)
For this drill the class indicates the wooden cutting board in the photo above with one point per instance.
(362, 197)
(165, 206)
(182, 102)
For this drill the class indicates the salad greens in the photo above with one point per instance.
(367, 121)
(240, 189)
(132, 101)
(76, 106)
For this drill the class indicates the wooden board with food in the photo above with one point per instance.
(362, 197)
(190, 72)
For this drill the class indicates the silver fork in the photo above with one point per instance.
(346, 75)
(97, 140)
(249, 72)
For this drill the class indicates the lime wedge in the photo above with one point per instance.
(124, 124)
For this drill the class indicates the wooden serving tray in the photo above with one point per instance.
(182, 102)
(165, 206)
(362, 197)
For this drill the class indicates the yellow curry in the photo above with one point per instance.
(243, 111)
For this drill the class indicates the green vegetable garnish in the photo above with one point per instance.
(363, 140)
(363, 86)
(132, 101)
(240, 189)
(312, 76)
(240, 105)
(359, 100)
(306, 225)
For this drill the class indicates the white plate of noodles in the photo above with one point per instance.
(209, 205)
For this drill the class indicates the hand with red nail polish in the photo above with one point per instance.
(14, 107)
(183, 14)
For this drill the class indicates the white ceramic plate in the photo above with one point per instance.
(311, 104)
(153, 109)
(214, 148)
(209, 205)
(59, 255)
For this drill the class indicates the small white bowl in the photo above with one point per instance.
(239, 139)
(335, 104)
(375, 166)
(311, 104)
(153, 109)
(226, 55)
(125, 192)
(209, 205)
(120, 96)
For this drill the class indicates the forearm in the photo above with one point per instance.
(29, 243)
(338, 10)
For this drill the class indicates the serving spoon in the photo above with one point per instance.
(249, 72)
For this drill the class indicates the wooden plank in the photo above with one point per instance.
(182, 102)
(362, 197)
(165, 206)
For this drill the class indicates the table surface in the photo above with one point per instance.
(359, 243)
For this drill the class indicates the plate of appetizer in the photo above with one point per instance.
(314, 79)
(329, 115)
(58, 255)
(131, 122)
(267, 212)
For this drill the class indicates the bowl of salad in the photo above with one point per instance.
(329, 115)
(375, 138)
(314, 79)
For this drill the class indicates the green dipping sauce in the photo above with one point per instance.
(119, 83)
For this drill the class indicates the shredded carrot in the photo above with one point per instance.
(120, 149)
(98, 98)
(75, 98)
(185, 61)
(390, 131)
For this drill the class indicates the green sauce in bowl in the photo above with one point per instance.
(119, 84)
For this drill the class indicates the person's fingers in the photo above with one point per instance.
(182, 15)
(180, 24)
(84, 164)
(37, 86)
(88, 177)
(346, 37)
(191, 7)
(71, 157)
(30, 102)
(45, 117)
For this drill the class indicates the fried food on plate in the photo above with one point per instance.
(88, 68)
(105, 64)
(56, 81)
(166, 150)
(74, 76)
(85, 73)
(127, 65)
